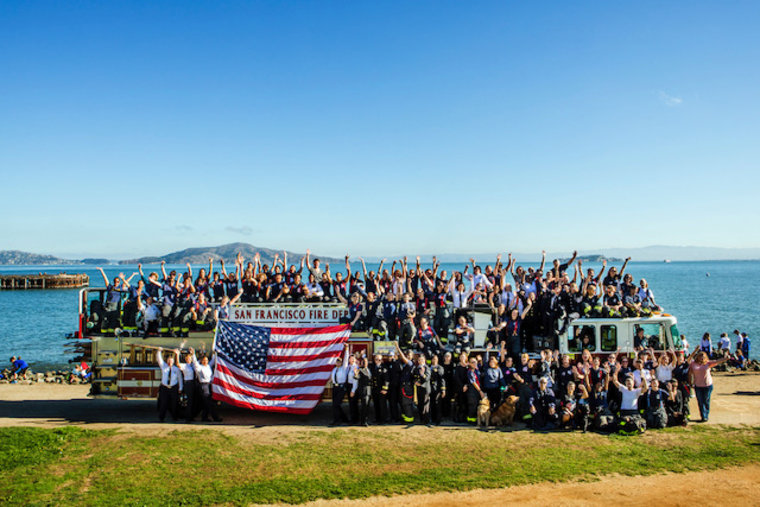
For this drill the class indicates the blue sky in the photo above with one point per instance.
(132, 128)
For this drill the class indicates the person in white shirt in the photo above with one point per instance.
(640, 374)
(151, 313)
(204, 372)
(629, 404)
(665, 366)
(189, 386)
(171, 385)
(739, 339)
(724, 344)
(340, 378)
(314, 291)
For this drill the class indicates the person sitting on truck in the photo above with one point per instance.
(463, 333)
(612, 305)
(590, 306)
(647, 297)
(150, 315)
(224, 309)
(632, 303)
(202, 314)
(427, 341)
(613, 277)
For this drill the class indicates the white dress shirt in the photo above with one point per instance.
(170, 375)
(205, 372)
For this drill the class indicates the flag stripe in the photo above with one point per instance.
(310, 330)
(304, 344)
(254, 406)
(254, 394)
(331, 354)
(312, 379)
(275, 369)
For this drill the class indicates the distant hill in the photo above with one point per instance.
(200, 255)
(17, 257)
(197, 255)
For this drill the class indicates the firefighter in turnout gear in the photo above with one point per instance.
(407, 387)
(421, 377)
(380, 385)
(473, 391)
(437, 390)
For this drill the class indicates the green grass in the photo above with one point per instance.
(41, 466)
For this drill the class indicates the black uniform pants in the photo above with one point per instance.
(338, 393)
(461, 408)
(209, 405)
(188, 389)
(353, 405)
(379, 402)
(168, 398)
(436, 406)
(393, 402)
(473, 399)
(364, 396)
(423, 404)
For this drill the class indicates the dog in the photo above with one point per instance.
(505, 413)
(484, 412)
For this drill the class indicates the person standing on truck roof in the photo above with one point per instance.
(171, 385)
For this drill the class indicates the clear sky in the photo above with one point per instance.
(137, 128)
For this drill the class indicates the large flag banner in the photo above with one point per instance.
(277, 369)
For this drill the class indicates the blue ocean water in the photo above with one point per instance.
(33, 323)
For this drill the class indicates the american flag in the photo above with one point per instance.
(278, 369)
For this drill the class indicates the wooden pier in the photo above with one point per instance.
(44, 281)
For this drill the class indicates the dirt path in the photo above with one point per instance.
(732, 486)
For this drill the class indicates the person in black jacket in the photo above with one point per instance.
(364, 390)
(394, 387)
(380, 386)
(459, 392)
(422, 389)
(437, 390)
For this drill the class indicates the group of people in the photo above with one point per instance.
(739, 358)
(185, 389)
(405, 302)
(617, 393)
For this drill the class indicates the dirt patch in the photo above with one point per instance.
(731, 486)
